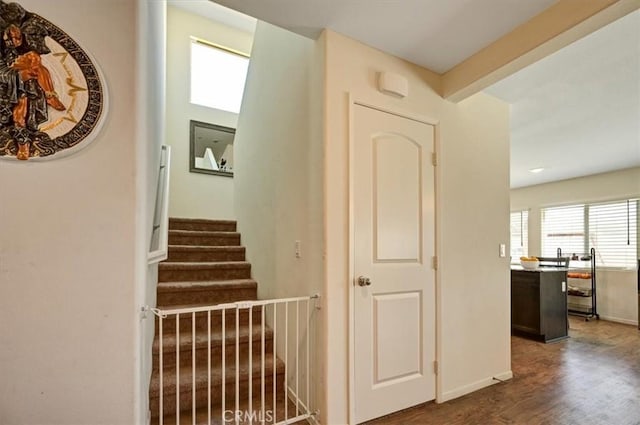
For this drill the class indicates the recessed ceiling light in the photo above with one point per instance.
(536, 170)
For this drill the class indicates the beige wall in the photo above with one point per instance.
(278, 167)
(278, 156)
(68, 313)
(616, 289)
(195, 194)
(474, 281)
(473, 205)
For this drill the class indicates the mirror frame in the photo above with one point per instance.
(192, 147)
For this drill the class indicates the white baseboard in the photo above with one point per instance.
(475, 386)
(619, 320)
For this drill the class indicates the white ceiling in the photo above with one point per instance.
(215, 12)
(575, 113)
(436, 34)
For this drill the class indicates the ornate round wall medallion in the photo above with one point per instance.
(52, 95)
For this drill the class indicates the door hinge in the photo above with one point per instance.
(434, 158)
(434, 262)
(435, 367)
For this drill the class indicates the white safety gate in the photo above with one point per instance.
(233, 376)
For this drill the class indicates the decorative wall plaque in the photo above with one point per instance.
(52, 96)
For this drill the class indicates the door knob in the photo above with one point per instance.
(364, 281)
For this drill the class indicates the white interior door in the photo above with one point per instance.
(394, 301)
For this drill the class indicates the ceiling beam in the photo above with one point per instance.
(551, 30)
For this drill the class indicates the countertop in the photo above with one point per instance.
(540, 269)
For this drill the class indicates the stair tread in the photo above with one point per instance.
(206, 247)
(186, 341)
(203, 232)
(201, 220)
(176, 265)
(207, 284)
(194, 266)
(201, 375)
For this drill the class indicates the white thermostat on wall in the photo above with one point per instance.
(393, 84)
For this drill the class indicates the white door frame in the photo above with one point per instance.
(425, 120)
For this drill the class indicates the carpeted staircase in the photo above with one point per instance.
(206, 266)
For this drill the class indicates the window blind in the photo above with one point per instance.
(612, 232)
(611, 228)
(519, 234)
(563, 227)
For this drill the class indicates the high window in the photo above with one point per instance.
(218, 76)
(519, 234)
(610, 227)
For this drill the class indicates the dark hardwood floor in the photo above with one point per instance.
(592, 378)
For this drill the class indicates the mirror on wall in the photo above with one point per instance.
(211, 149)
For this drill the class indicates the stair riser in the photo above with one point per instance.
(193, 256)
(169, 358)
(169, 323)
(169, 399)
(214, 274)
(204, 240)
(210, 297)
(202, 226)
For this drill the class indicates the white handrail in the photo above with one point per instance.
(158, 248)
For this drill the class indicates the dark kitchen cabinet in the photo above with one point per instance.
(539, 303)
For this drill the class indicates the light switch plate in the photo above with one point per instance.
(503, 250)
